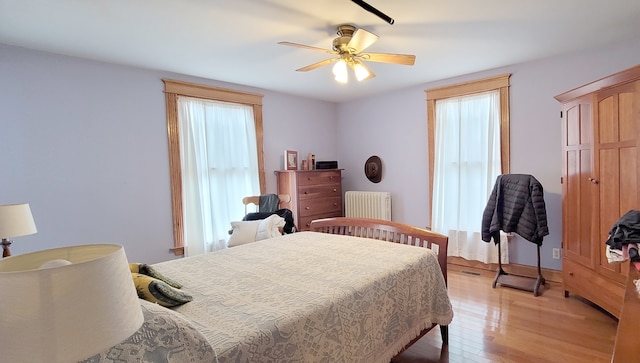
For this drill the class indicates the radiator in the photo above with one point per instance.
(368, 205)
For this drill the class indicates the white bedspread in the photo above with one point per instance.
(312, 297)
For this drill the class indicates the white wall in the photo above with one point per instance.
(393, 126)
(85, 143)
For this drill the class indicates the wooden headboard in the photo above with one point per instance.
(386, 231)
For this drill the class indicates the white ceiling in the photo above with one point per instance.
(236, 40)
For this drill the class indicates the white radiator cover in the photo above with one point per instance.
(359, 204)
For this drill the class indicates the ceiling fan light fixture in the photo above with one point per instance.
(340, 71)
(361, 71)
(349, 48)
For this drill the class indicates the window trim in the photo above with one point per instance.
(500, 83)
(172, 90)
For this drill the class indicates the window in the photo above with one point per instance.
(468, 127)
(186, 101)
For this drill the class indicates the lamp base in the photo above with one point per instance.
(5, 247)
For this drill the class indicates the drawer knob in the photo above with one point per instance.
(335, 190)
(307, 208)
(306, 192)
(570, 273)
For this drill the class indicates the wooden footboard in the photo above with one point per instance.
(392, 232)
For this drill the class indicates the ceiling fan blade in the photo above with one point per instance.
(371, 75)
(361, 40)
(308, 47)
(317, 65)
(405, 59)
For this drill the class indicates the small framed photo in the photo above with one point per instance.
(290, 160)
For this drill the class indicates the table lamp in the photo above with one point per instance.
(66, 304)
(15, 220)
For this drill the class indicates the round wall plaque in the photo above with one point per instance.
(373, 169)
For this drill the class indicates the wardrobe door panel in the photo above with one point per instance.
(617, 165)
(607, 126)
(578, 188)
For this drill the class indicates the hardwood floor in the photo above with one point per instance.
(508, 325)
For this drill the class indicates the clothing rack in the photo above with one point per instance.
(516, 204)
(517, 281)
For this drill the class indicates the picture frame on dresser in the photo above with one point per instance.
(290, 160)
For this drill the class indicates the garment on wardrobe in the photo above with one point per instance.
(625, 230)
(516, 204)
(624, 239)
(614, 255)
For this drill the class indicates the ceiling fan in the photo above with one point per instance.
(349, 46)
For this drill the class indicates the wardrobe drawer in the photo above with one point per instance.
(583, 281)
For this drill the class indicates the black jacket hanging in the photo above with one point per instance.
(516, 205)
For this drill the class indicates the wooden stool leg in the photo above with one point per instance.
(539, 280)
(496, 239)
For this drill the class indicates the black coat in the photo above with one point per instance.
(516, 205)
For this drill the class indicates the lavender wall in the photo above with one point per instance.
(393, 126)
(85, 143)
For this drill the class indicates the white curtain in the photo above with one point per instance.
(467, 163)
(219, 167)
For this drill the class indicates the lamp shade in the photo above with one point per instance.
(340, 71)
(66, 304)
(16, 220)
(361, 71)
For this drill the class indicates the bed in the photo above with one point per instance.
(326, 295)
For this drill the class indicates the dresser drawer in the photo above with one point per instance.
(319, 177)
(305, 222)
(309, 207)
(320, 191)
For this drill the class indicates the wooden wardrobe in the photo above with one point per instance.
(600, 134)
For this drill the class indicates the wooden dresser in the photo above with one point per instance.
(314, 194)
(600, 135)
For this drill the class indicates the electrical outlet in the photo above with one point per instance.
(556, 253)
